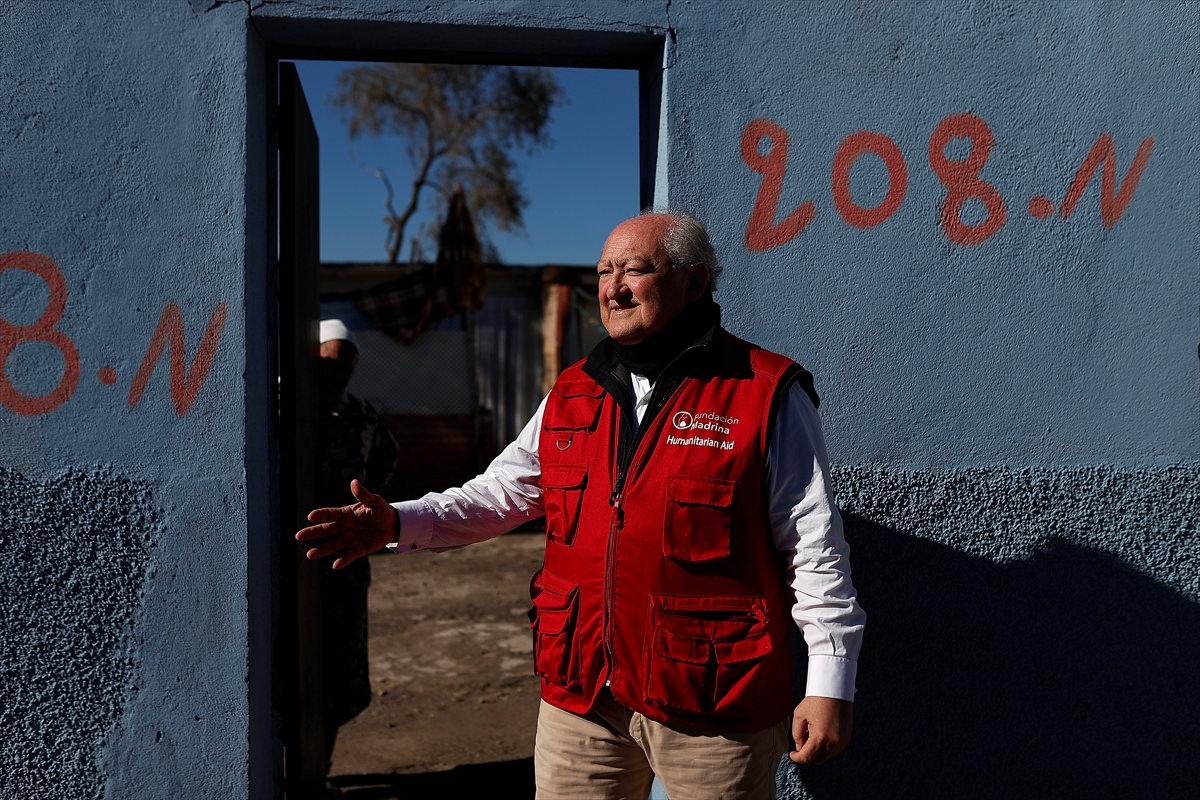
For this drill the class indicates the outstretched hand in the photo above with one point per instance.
(350, 532)
(821, 727)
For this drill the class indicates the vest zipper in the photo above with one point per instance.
(614, 500)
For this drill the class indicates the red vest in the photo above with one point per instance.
(669, 586)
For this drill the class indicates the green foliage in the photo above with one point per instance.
(461, 125)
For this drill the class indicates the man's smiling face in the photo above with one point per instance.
(639, 291)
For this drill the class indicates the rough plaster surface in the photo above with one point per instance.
(1055, 342)
(125, 160)
(135, 159)
(75, 552)
(1031, 633)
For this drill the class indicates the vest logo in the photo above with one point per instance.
(682, 420)
(705, 421)
(701, 441)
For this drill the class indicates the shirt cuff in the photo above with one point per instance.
(414, 526)
(831, 676)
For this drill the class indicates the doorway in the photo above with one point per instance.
(559, 297)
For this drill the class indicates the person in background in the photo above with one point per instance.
(354, 445)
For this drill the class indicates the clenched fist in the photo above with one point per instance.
(821, 727)
(350, 532)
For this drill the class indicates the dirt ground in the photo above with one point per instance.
(451, 668)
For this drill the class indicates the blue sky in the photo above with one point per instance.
(578, 188)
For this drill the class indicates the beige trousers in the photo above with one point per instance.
(614, 753)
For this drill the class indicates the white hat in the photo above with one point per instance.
(332, 329)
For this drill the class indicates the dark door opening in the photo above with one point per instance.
(299, 688)
(552, 307)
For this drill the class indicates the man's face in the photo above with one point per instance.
(639, 291)
(338, 359)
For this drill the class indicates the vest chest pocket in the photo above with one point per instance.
(699, 515)
(570, 417)
(705, 654)
(575, 407)
(562, 496)
(552, 619)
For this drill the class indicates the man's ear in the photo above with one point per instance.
(698, 280)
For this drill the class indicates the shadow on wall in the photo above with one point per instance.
(1065, 674)
(495, 779)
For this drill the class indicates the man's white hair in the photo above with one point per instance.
(687, 245)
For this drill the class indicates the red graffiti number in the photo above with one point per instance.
(1113, 201)
(960, 175)
(41, 330)
(961, 178)
(853, 146)
(762, 232)
(184, 387)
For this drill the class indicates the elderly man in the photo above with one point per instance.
(683, 476)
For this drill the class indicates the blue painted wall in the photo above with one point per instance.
(1013, 422)
(125, 530)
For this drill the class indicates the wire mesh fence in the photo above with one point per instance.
(466, 385)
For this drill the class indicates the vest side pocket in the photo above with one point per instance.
(562, 497)
(552, 620)
(679, 676)
(706, 654)
(698, 518)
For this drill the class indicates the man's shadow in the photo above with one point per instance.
(1062, 675)
(496, 779)
(1066, 674)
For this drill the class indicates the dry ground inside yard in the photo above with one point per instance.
(451, 670)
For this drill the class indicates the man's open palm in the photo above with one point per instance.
(350, 532)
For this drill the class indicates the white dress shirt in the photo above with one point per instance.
(805, 523)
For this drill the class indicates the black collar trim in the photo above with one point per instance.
(602, 365)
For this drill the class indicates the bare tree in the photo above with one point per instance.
(461, 126)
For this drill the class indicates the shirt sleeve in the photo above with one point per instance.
(808, 531)
(506, 494)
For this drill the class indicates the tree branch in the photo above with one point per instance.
(400, 223)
